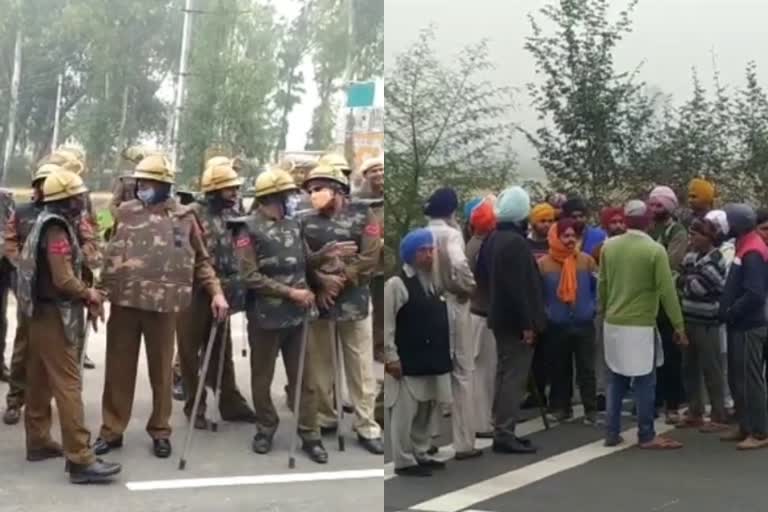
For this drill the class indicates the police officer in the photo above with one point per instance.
(151, 263)
(53, 295)
(344, 299)
(220, 184)
(274, 265)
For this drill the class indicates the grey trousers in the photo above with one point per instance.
(702, 359)
(747, 381)
(514, 366)
(409, 429)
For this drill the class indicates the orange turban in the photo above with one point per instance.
(542, 212)
(483, 218)
(702, 190)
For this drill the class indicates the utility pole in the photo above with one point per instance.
(186, 36)
(11, 132)
(57, 113)
(349, 139)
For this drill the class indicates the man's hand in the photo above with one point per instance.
(394, 369)
(220, 307)
(93, 297)
(681, 338)
(304, 298)
(339, 249)
(333, 284)
(529, 337)
(325, 301)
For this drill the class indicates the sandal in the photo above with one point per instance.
(690, 422)
(661, 443)
(714, 427)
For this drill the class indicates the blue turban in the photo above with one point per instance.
(442, 203)
(513, 205)
(413, 242)
(470, 206)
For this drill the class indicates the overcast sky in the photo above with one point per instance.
(669, 37)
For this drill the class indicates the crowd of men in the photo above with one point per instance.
(299, 264)
(661, 303)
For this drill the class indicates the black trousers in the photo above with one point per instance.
(669, 387)
(573, 345)
(542, 367)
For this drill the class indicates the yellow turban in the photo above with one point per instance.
(542, 212)
(702, 190)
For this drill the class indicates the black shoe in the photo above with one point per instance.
(49, 452)
(262, 443)
(101, 446)
(529, 403)
(469, 454)
(610, 442)
(514, 446)
(601, 403)
(179, 394)
(5, 373)
(523, 441)
(432, 464)
(316, 451)
(88, 364)
(485, 435)
(433, 450)
(201, 423)
(161, 448)
(12, 415)
(348, 408)
(95, 472)
(374, 446)
(417, 470)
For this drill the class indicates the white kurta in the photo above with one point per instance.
(632, 351)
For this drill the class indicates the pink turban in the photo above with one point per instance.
(666, 196)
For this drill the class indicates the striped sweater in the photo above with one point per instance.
(701, 283)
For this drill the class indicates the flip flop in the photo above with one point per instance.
(661, 443)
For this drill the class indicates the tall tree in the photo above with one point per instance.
(446, 125)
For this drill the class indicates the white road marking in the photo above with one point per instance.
(513, 480)
(286, 478)
(526, 428)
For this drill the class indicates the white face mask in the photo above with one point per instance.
(146, 195)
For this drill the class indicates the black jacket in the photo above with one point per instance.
(513, 280)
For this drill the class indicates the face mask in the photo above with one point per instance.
(146, 195)
(321, 199)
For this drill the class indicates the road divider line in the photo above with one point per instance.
(532, 473)
(284, 478)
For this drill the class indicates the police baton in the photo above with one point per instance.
(297, 390)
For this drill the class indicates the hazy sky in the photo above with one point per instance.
(669, 37)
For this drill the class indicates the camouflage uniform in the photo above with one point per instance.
(350, 314)
(151, 263)
(51, 293)
(194, 325)
(273, 262)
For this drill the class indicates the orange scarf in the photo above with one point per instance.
(566, 290)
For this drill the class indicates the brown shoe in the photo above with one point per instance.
(752, 443)
(690, 422)
(51, 451)
(733, 436)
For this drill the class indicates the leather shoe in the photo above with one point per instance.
(316, 451)
(432, 464)
(52, 451)
(262, 443)
(12, 415)
(95, 472)
(420, 471)
(244, 416)
(161, 448)
(102, 446)
(514, 446)
(88, 364)
(374, 446)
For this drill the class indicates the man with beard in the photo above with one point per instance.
(701, 200)
(542, 217)
(221, 185)
(612, 221)
(53, 295)
(674, 238)
(588, 237)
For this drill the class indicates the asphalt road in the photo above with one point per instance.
(222, 474)
(573, 472)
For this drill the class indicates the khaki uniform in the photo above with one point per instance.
(350, 315)
(150, 265)
(273, 262)
(51, 293)
(17, 230)
(194, 325)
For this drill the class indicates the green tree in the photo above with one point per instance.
(751, 134)
(446, 126)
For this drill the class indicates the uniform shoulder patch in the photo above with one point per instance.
(373, 230)
(60, 247)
